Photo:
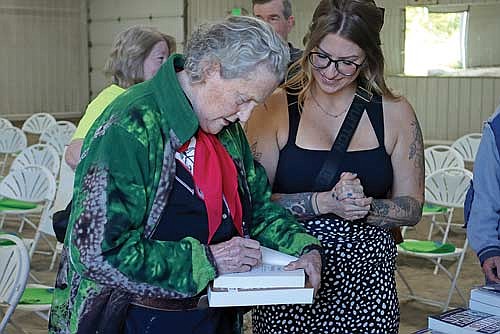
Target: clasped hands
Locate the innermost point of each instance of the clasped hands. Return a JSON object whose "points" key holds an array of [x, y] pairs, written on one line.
{"points": [[347, 198], [241, 254]]}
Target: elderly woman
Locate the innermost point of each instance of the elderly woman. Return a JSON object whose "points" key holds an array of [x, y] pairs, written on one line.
{"points": [[136, 55], [168, 196]]}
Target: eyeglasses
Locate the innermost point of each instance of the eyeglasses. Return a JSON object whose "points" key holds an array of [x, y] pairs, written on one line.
{"points": [[321, 61]]}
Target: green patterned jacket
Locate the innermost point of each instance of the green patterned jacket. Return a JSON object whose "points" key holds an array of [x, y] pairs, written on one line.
{"points": [[122, 185]]}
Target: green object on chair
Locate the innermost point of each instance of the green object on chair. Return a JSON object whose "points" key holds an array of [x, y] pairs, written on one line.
{"points": [[427, 246], [8, 242], [10, 204], [431, 208], [37, 296], [236, 11]]}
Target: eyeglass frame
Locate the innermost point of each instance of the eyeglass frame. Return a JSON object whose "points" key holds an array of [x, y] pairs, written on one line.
{"points": [[335, 62]]}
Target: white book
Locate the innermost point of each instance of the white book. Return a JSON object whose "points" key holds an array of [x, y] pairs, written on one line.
{"points": [[251, 297], [486, 294], [483, 307], [270, 274], [465, 321], [268, 284]]}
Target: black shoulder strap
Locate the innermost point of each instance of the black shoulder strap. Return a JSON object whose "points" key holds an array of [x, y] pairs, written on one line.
{"points": [[330, 167]]}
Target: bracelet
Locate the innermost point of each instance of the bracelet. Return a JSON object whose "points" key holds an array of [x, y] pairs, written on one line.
{"points": [[316, 203]]}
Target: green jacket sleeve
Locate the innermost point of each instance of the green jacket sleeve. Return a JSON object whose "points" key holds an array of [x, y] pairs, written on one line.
{"points": [[107, 242], [271, 224]]}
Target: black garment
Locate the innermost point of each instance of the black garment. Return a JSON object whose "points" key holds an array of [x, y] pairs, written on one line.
{"points": [[373, 167], [295, 53], [358, 288], [185, 215], [207, 321]]}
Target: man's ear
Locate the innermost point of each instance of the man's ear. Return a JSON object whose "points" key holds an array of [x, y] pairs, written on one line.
{"points": [[291, 23]]}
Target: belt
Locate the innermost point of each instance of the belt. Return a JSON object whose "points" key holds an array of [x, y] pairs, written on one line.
{"points": [[169, 304]]}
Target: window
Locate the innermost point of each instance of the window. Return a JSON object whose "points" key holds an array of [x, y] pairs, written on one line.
{"points": [[435, 42], [452, 40]]}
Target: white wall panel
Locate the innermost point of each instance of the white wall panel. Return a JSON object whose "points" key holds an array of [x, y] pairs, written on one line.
{"points": [[105, 9], [448, 108], [43, 58], [483, 47], [303, 12], [104, 32], [201, 11], [109, 17]]}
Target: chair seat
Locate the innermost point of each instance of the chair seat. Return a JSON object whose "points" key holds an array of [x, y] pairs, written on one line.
{"points": [[16, 211], [13, 206], [41, 292], [427, 246], [37, 295], [17, 204], [431, 209], [457, 252]]}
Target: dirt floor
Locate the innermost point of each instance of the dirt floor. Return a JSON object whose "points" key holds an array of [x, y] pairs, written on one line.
{"points": [[413, 314]]}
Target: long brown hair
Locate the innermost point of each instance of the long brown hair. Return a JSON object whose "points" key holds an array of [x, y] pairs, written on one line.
{"points": [[358, 21]]}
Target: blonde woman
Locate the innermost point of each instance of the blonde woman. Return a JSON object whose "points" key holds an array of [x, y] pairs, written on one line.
{"points": [[380, 179], [136, 56]]}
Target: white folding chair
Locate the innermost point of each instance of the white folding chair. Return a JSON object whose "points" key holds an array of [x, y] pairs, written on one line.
{"points": [[45, 229], [38, 123], [31, 185], [445, 187], [12, 141], [467, 146], [439, 157], [58, 135], [64, 191], [5, 123], [40, 155], [14, 270]]}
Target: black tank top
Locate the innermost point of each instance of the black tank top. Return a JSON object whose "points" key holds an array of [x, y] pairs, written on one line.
{"points": [[298, 168]]}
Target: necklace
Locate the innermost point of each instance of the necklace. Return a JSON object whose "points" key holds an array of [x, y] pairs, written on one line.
{"points": [[326, 112]]}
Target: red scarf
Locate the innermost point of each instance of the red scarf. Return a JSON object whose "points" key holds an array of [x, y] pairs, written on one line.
{"points": [[214, 175]]}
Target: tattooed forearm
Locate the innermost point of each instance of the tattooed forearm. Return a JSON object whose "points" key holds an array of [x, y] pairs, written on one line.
{"points": [[399, 211], [256, 154], [416, 149], [300, 205]]}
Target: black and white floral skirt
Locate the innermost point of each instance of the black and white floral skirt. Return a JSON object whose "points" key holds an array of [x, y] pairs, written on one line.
{"points": [[358, 289]]}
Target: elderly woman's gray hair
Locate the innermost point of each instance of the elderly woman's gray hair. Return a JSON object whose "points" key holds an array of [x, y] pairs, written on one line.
{"points": [[239, 44]]}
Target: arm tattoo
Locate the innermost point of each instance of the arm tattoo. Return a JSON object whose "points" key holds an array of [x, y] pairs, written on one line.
{"points": [[256, 155], [399, 211], [416, 150], [300, 205]]}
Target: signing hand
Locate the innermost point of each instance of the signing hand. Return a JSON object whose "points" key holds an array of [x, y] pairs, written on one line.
{"points": [[311, 263], [491, 268], [236, 255]]}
